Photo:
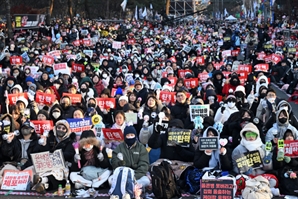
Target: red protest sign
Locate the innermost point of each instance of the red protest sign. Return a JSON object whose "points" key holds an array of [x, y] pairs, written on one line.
{"points": [[173, 81], [164, 74], [14, 97], [247, 68], [235, 53], [16, 60], [113, 134], [243, 74], [191, 83], [106, 103], [75, 98], [146, 40], [268, 58], [217, 65], [200, 60], [76, 43], [279, 43], [48, 60], [86, 42], [181, 73], [261, 56], [167, 97], [45, 98], [275, 58], [291, 148], [131, 41], [261, 67], [42, 126], [78, 68], [203, 76]]}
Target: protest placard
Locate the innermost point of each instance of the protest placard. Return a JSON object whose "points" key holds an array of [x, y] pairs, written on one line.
{"points": [[116, 44], [106, 103], [75, 98], [16, 180], [14, 97], [167, 97], [113, 134], [89, 53], [251, 159], [181, 73], [42, 126], [55, 53], [191, 83], [77, 68], [45, 98], [25, 57], [86, 42], [131, 118], [217, 189], [79, 125], [179, 136], [61, 68], [291, 148], [16, 60], [226, 53], [200, 60], [48, 60], [262, 67], [245, 67], [186, 48], [208, 143], [198, 110], [203, 76], [46, 161]]}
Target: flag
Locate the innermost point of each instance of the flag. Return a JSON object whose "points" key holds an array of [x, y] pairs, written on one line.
{"points": [[136, 13], [144, 14], [151, 7], [123, 5], [226, 13]]}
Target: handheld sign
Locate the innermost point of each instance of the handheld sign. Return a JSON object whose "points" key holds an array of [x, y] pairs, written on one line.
{"points": [[45, 98], [113, 134], [46, 161], [14, 97], [208, 143], [79, 125], [217, 188], [179, 136], [42, 126], [291, 148], [16, 180], [198, 110], [75, 98], [251, 159], [106, 103], [131, 117]]}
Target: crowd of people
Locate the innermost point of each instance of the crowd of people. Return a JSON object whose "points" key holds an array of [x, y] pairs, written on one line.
{"points": [[228, 66]]}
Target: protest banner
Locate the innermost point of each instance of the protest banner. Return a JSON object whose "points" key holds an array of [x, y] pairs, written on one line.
{"points": [[25, 57], [42, 126], [113, 134], [46, 161], [226, 53], [235, 53], [217, 66], [45, 98], [208, 143], [116, 44], [16, 60], [55, 53], [203, 76], [173, 81], [131, 118], [16, 180], [191, 83], [70, 56], [245, 67], [261, 56], [89, 53], [268, 59], [181, 73], [291, 148], [86, 42], [106, 103], [61, 68], [186, 49], [167, 97], [262, 67], [179, 136], [77, 68], [251, 159], [200, 60], [275, 58], [198, 110], [48, 60], [24, 21], [79, 125], [76, 43], [75, 98], [217, 189], [14, 97]]}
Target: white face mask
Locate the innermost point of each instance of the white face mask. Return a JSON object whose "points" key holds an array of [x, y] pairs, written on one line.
{"points": [[231, 104], [56, 115], [104, 75], [271, 100], [286, 108], [88, 149], [137, 75]]}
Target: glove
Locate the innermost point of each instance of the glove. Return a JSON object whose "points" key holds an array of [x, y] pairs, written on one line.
{"points": [[120, 156], [287, 159], [223, 109], [100, 156], [104, 111], [42, 141], [77, 157]]}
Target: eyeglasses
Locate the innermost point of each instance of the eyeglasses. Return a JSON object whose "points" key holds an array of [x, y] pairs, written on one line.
{"points": [[250, 135]]}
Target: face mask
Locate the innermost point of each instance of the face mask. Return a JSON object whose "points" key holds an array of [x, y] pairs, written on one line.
{"points": [[16, 74], [231, 104], [211, 98], [246, 119], [64, 106], [282, 120], [262, 95], [91, 105], [26, 131], [88, 149], [124, 70], [137, 75], [57, 86], [149, 79], [10, 85], [130, 141], [83, 90], [60, 133], [271, 100], [104, 75], [56, 114]]}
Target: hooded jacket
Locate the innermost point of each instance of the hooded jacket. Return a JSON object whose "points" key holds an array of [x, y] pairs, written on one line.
{"points": [[87, 79], [215, 160], [246, 146], [278, 129], [223, 117], [56, 106]]}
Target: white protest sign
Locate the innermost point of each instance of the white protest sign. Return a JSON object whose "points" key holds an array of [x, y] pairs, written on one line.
{"points": [[131, 117], [198, 110], [89, 53], [46, 161], [61, 68], [16, 180], [186, 49], [226, 53], [116, 44], [55, 53]]}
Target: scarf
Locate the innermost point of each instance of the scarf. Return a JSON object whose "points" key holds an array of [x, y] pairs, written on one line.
{"points": [[90, 160], [122, 127], [253, 145]]}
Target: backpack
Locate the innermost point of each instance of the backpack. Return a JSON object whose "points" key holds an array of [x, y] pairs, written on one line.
{"points": [[240, 183], [122, 182], [257, 188], [193, 178], [163, 181]]}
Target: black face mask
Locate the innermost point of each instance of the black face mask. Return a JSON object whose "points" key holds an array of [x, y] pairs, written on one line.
{"points": [[235, 82], [149, 79], [91, 105], [83, 90], [246, 119], [282, 120], [262, 95], [60, 133], [239, 94], [64, 106]]}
